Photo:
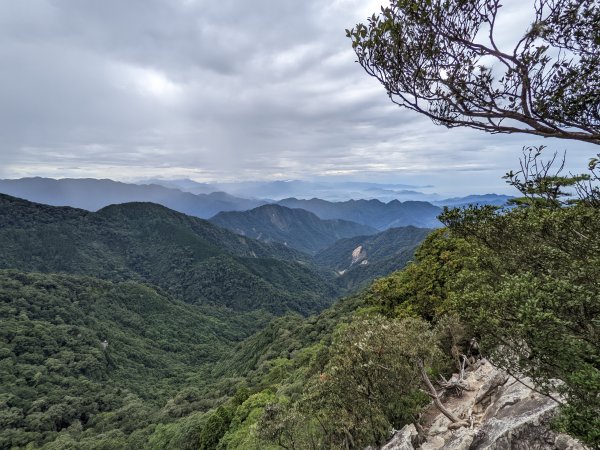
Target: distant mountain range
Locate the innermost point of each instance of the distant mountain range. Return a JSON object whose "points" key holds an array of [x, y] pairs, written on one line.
{"points": [[360, 259], [330, 191], [327, 190], [296, 228], [485, 199], [373, 213], [92, 195]]}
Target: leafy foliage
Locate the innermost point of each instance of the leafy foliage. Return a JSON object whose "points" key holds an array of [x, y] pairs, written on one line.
{"points": [[367, 384], [174, 375], [422, 288], [57, 378], [442, 59], [525, 282], [531, 291]]}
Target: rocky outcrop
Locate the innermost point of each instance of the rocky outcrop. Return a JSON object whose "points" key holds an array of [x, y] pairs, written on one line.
{"points": [[358, 254], [502, 413], [403, 439]]}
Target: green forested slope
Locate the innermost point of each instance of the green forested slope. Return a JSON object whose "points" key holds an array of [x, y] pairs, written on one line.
{"points": [[524, 279], [166, 365], [204, 376], [379, 255], [172, 377], [283, 339], [268, 371], [175, 346], [55, 375], [209, 290], [188, 257]]}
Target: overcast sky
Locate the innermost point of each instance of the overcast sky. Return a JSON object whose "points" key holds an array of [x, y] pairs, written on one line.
{"points": [[221, 91]]}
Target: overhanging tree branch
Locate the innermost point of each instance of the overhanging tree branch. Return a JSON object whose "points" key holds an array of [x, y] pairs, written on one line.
{"points": [[431, 58]]}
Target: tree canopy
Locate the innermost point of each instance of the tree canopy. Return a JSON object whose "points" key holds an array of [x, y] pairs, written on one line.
{"points": [[443, 59]]}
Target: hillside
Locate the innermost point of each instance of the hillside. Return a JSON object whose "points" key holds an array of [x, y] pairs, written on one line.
{"points": [[363, 258], [373, 213], [166, 363], [296, 228], [181, 376], [188, 257], [55, 373], [92, 195]]}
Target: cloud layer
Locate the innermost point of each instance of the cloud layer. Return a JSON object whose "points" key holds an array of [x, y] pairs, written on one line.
{"points": [[217, 91]]}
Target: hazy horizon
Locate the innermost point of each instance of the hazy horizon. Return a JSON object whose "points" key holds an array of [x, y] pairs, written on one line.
{"points": [[227, 92], [323, 188]]}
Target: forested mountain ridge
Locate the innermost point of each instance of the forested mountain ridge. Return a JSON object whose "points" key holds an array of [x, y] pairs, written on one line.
{"points": [[297, 380], [373, 213], [138, 327], [63, 387], [188, 257], [360, 259], [296, 228]]}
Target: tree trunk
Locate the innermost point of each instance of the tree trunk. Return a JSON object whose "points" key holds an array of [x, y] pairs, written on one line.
{"points": [[434, 395]]}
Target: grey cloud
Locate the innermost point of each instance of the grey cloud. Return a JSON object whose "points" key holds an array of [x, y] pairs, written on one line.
{"points": [[224, 90]]}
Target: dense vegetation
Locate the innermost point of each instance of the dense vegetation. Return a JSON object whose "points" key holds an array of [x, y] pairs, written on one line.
{"points": [[138, 340], [188, 257], [523, 281], [175, 348], [531, 285], [56, 377], [165, 363], [176, 375], [379, 255]]}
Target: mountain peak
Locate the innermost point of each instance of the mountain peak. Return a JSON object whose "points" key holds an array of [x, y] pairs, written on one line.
{"points": [[297, 228]]}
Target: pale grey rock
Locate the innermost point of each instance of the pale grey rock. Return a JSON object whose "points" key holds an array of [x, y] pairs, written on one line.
{"points": [[461, 439], [358, 255], [403, 439], [488, 387], [566, 442], [518, 418], [503, 413], [433, 443]]}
